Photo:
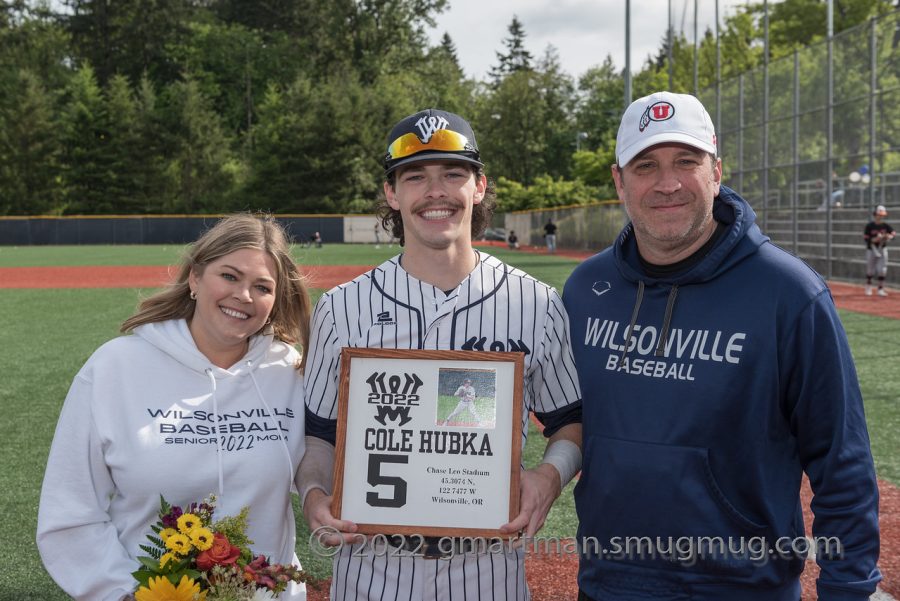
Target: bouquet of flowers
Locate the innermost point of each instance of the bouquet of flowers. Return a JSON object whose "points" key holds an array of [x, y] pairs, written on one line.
{"points": [[192, 558]]}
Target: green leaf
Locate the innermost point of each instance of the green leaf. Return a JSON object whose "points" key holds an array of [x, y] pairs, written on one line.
{"points": [[164, 507], [143, 576], [149, 563]]}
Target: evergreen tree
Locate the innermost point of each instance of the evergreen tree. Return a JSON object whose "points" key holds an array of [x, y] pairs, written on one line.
{"points": [[449, 48], [130, 37], [126, 152], [88, 161], [314, 147], [516, 58], [31, 39], [510, 127], [558, 101], [201, 166], [601, 104], [153, 185], [29, 146]]}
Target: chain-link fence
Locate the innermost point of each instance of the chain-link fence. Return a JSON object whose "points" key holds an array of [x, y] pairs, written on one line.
{"points": [[812, 141]]}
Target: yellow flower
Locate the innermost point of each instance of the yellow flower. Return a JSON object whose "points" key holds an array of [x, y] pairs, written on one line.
{"points": [[202, 538], [160, 589], [165, 533], [166, 558], [188, 522], [179, 544]]}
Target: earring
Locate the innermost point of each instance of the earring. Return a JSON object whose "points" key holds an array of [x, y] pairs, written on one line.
{"points": [[193, 295], [268, 320]]}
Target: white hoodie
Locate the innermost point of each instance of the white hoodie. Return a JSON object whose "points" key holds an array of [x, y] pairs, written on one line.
{"points": [[140, 421]]}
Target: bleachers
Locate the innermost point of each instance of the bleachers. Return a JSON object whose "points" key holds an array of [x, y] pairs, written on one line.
{"points": [[848, 257]]}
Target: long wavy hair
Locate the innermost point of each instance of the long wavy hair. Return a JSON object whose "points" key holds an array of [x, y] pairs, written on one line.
{"points": [[289, 318], [481, 213]]}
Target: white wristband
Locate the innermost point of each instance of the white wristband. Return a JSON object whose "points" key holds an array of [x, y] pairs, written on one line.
{"points": [[316, 469], [565, 456]]}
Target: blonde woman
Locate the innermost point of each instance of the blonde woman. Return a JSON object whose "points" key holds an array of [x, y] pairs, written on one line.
{"points": [[204, 396]]}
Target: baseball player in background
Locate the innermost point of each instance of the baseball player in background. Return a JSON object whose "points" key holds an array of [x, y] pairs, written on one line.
{"points": [[441, 293], [877, 234], [466, 395]]}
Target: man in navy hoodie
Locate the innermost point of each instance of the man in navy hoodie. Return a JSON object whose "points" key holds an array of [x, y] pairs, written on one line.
{"points": [[715, 373]]}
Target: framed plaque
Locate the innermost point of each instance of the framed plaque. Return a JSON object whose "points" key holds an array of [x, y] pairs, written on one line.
{"points": [[428, 442]]}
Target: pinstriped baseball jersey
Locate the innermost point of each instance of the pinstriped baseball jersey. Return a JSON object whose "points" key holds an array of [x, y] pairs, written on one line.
{"points": [[496, 308]]}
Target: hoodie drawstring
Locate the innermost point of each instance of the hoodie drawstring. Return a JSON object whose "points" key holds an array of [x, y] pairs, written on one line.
{"points": [[212, 381], [667, 322], [634, 316], [271, 414]]}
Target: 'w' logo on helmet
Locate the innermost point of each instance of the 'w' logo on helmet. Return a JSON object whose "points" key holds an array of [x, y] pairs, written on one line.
{"points": [[428, 125], [659, 111]]}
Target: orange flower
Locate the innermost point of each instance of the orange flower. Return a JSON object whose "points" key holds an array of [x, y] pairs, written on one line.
{"points": [[221, 553]]}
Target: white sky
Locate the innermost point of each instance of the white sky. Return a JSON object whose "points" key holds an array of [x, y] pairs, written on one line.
{"points": [[583, 31]]}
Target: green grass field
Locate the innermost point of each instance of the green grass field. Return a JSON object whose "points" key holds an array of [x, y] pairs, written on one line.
{"points": [[48, 334]]}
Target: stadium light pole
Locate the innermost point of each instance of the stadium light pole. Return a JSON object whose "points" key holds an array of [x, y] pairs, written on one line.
{"points": [[669, 37], [718, 75], [829, 141], [696, 54], [765, 132], [627, 54]]}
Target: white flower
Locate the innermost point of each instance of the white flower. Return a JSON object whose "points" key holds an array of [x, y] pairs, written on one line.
{"points": [[263, 594]]}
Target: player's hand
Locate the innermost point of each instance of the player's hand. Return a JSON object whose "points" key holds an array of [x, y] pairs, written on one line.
{"points": [[317, 511], [539, 487]]}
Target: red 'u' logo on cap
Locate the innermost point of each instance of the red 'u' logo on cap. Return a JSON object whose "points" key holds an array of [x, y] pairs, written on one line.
{"points": [[659, 111]]}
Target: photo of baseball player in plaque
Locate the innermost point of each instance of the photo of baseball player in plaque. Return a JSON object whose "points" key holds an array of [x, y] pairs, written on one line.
{"points": [[467, 398]]}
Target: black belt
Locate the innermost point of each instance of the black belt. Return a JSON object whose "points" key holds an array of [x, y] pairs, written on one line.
{"points": [[439, 547]]}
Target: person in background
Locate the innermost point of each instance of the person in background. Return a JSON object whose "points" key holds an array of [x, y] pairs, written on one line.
{"points": [[877, 234], [716, 373], [550, 236], [175, 409], [512, 240]]}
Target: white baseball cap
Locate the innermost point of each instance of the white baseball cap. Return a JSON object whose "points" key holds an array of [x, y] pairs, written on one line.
{"points": [[880, 210], [664, 117]]}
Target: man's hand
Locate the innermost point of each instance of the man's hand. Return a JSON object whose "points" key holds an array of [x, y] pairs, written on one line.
{"points": [[317, 511], [539, 487]]}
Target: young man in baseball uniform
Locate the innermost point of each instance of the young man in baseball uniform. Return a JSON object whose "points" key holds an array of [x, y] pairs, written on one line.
{"points": [[441, 293], [466, 396]]}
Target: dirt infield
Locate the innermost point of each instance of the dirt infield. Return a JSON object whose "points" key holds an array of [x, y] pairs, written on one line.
{"points": [[846, 296]]}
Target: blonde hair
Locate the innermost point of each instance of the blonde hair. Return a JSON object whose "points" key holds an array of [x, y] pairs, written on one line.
{"points": [[289, 318]]}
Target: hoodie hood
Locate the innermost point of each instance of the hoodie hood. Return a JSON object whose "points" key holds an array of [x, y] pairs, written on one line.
{"points": [[743, 238], [173, 337]]}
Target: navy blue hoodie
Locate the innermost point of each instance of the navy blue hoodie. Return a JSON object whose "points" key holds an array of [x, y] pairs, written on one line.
{"points": [[737, 378]]}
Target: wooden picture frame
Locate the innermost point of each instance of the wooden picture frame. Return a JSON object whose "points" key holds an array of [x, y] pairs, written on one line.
{"points": [[408, 464]]}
